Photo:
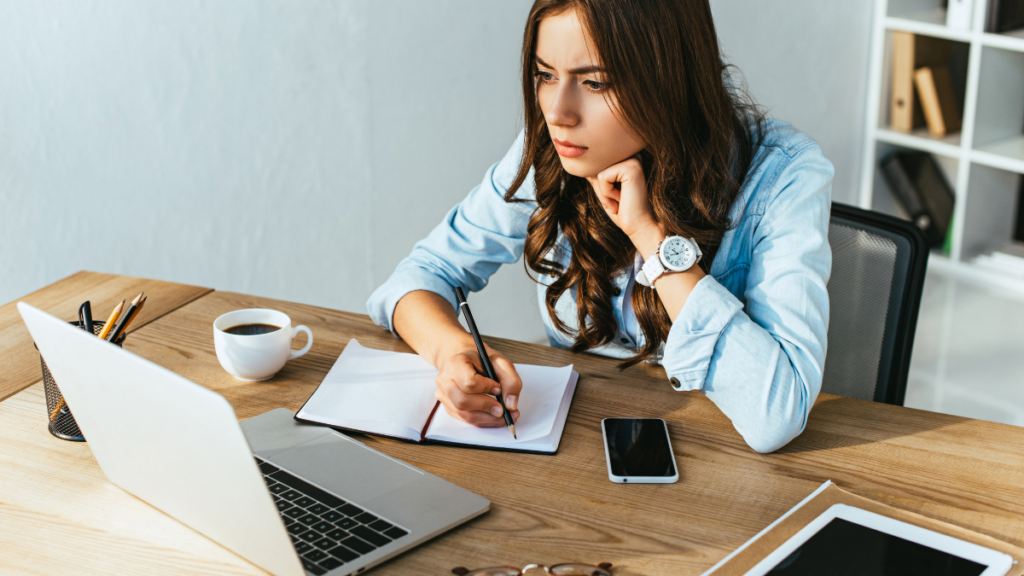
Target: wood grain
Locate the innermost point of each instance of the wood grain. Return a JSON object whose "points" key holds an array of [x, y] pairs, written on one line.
{"points": [[547, 509], [19, 362]]}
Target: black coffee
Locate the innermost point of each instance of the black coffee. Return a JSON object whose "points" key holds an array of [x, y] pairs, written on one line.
{"points": [[252, 329]]}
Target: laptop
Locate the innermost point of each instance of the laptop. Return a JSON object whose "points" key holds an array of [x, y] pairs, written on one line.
{"points": [[291, 498]]}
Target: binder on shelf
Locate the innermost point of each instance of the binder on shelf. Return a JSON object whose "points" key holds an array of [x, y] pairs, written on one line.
{"points": [[918, 185], [902, 106], [1005, 15], [958, 14], [938, 102]]}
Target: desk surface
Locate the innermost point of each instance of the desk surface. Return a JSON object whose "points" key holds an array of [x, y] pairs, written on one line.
{"points": [[59, 512], [19, 366]]}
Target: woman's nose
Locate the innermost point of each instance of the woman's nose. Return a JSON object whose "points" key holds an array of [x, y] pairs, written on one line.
{"points": [[562, 110]]}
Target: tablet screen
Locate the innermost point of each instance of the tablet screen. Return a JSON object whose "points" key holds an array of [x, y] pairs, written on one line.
{"points": [[843, 548]]}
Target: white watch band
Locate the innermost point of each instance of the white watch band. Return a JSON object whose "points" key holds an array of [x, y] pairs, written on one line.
{"points": [[651, 270]]}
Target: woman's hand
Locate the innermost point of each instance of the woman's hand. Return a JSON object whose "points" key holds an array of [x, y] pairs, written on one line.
{"points": [[622, 190], [469, 396]]}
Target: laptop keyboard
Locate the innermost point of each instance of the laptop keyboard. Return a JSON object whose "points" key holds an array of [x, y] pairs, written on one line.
{"points": [[327, 531]]}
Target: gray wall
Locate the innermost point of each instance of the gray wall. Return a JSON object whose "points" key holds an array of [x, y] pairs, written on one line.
{"points": [[298, 150]]}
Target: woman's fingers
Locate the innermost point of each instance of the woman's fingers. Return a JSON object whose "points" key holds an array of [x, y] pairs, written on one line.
{"points": [[466, 395], [511, 384]]}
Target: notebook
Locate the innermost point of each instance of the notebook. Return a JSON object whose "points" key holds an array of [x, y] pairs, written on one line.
{"points": [[392, 394]]}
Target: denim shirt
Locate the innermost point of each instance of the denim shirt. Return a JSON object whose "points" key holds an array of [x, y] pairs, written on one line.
{"points": [[751, 336]]}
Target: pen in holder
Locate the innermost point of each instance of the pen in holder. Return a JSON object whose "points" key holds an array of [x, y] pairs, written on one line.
{"points": [[62, 422]]}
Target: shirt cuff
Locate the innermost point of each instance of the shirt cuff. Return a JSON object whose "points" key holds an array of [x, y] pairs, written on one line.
{"points": [[694, 334], [384, 300]]}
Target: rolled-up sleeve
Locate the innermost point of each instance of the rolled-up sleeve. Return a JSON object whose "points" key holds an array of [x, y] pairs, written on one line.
{"points": [[761, 360], [475, 238]]}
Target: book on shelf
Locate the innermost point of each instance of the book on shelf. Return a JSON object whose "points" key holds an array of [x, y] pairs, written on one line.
{"points": [[935, 89], [958, 14], [1005, 15], [911, 53], [920, 188]]}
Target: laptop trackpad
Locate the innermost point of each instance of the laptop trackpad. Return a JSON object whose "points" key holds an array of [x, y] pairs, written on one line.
{"points": [[346, 467]]}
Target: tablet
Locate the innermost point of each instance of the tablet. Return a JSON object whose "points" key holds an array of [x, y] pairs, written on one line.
{"points": [[845, 540]]}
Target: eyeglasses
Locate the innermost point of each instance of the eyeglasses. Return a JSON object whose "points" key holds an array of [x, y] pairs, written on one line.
{"points": [[602, 569]]}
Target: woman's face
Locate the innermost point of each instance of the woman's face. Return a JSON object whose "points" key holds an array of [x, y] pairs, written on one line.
{"points": [[578, 104]]}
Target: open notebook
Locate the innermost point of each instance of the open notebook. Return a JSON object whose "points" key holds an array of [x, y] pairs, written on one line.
{"points": [[392, 394]]}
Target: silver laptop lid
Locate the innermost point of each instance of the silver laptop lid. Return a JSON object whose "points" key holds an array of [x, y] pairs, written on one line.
{"points": [[167, 440]]}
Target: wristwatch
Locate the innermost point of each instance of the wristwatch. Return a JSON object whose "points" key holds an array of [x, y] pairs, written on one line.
{"points": [[674, 254]]}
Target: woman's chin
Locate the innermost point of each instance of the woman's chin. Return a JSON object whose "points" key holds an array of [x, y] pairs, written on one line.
{"points": [[578, 168]]}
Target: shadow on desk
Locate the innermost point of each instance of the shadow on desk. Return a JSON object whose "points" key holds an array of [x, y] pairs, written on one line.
{"points": [[837, 422]]}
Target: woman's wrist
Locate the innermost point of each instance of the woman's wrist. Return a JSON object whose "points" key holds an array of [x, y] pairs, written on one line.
{"points": [[647, 238], [457, 344]]}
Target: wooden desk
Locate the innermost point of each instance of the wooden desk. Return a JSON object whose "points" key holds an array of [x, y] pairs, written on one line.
{"points": [[59, 513], [19, 366]]}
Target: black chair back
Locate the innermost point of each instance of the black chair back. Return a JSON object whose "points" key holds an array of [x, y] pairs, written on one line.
{"points": [[878, 265]]}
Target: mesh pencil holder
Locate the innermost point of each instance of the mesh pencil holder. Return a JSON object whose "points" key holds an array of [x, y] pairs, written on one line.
{"points": [[62, 422]]}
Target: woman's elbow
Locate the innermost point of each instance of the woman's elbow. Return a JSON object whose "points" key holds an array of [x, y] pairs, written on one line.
{"points": [[771, 438]]}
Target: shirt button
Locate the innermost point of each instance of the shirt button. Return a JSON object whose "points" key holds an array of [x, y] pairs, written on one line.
{"points": [[617, 291], [624, 340], [674, 381]]}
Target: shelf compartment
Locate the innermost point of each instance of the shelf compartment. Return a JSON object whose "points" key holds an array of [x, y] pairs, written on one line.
{"points": [[933, 51], [991, 210], [999, 119]]}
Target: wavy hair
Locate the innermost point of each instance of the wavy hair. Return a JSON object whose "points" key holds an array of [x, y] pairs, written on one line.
{"points": [[700, 134]]}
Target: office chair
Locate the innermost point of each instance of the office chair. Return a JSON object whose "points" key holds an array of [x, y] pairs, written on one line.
{"points": [[878, 265]]}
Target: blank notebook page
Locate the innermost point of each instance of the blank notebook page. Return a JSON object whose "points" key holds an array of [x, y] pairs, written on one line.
{"points": [[375, 391]]}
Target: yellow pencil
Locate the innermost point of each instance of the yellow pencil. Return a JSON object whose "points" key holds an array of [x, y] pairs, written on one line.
{"points": [[57, 409], [110, 321]]}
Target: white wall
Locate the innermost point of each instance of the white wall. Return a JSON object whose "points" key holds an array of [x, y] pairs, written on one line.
{"points": [[297, 150]]}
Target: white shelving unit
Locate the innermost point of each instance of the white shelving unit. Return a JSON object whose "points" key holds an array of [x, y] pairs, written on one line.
{"points": [[984, 161]]}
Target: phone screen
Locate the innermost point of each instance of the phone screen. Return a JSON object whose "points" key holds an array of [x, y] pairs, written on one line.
{"points": [[638, 447]]}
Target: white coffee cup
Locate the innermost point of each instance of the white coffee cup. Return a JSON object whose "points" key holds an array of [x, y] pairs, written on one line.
{"points": [[256, 357]]}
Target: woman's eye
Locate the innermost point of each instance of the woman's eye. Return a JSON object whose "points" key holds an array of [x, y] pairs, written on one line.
{"points": [[544, 76], [595, 86]]}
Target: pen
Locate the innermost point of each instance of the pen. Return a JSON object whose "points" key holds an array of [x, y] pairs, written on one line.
{"points": [[464, 306], [125, 318], [109, 325], [85, 316]]}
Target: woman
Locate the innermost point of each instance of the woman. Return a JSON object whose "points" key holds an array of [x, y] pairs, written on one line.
{"points": [[637, 159]]}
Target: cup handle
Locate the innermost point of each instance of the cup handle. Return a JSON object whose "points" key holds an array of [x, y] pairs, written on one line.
{"points": [[309, 341]]}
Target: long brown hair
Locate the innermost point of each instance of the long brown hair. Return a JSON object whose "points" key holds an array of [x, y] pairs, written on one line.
{"points": [[663, 63]]}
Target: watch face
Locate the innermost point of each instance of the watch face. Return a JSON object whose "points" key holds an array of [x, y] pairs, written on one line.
{"points": [[678, 253]]}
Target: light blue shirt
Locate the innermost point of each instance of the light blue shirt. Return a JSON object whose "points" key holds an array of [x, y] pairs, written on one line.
{"points": [[751, 336]]}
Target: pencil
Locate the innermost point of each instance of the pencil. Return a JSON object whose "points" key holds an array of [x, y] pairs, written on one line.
{"points": [[488, 369], [125, 318], [109, 325], [57, 409], [131, 319]]}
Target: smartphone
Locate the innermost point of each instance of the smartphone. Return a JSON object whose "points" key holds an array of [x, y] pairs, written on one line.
{"points": [[638, 451]]}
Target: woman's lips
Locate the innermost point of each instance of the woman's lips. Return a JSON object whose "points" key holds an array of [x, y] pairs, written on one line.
{"points": [[568, 149]]}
